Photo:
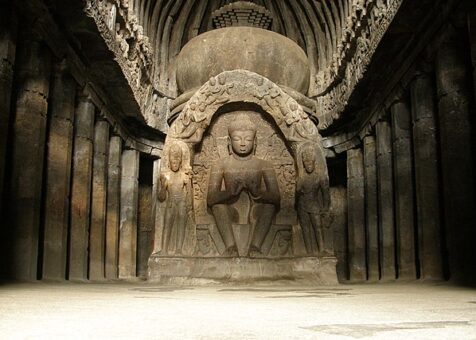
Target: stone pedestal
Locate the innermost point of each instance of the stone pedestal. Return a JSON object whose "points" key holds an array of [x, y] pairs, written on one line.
{"points": [[197, 270]]}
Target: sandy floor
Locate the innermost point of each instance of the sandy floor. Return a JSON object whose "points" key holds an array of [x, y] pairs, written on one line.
{"points": [[142, 311]]}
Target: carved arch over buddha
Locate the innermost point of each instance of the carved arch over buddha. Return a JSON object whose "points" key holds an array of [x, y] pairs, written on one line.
{"points": [[248, 87]]}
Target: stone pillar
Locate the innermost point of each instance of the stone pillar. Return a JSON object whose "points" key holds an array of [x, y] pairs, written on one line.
{"points": [[145, 217], [81, 188], [113, 207], [472, 41], [454, 98], [371, 208], [356, 214], [403, 178], [426, 178], [8, 30], [157, 216], [58, 174], [339, 228], [385, 198], [29, 134], [97, 236], [129, 205]]}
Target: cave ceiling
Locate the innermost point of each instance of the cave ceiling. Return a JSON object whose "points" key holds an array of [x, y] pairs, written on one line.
{"points": [[338, 37]]}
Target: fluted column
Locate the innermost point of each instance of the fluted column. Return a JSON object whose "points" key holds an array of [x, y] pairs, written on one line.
{"points": [[403, 179], [34, 66], [454, 102], [426, 177], [385, 198], [371, 208], [58, 174], [81, 188], [356, 214], [97, 236], [113, 207], [129, 205]]}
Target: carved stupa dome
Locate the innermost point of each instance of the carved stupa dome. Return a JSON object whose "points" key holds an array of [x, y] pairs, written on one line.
{"points": [[242, 40], [267, 53]]}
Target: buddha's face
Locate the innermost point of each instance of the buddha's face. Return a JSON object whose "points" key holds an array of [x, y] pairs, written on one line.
{"points": [[309, 161], [242, 142], [175, 160]]}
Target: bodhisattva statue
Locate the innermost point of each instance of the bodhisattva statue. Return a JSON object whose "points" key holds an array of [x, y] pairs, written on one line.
{"points": [[241, 172], [313, 201], [175, 189]]}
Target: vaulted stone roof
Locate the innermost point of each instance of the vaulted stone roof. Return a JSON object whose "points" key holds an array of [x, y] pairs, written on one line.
{"points": [[338, 36]]}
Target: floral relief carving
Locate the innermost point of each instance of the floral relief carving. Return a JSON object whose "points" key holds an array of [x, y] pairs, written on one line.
{"points": [[362, 35]]}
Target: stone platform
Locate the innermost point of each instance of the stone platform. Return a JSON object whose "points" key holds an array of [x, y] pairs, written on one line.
{"points": [[197, 270]]}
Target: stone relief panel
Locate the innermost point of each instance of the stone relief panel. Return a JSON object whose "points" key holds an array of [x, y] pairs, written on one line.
{"points": [[270, 146], [176, 226], [373, 17], [244, 86], [120, 29], [269, 149], [249, 172], [313, 199]]}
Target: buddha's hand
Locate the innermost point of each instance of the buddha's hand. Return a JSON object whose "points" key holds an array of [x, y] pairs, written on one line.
{"points": [[255, 192], [237, 188]]}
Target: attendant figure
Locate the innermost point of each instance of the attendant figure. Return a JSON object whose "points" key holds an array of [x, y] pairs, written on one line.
{"points": [[313, 201], [175, 190]]}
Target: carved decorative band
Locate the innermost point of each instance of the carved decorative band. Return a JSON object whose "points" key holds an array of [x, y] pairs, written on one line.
{"points": [[134, 58], [378, 17]]}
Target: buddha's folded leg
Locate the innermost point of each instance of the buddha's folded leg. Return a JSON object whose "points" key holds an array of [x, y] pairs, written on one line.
{"points": [[223, 218], [264, 217]]}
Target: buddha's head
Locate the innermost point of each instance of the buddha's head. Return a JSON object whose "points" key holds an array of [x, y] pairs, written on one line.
{"points": [[242, 136], [175, 157]]}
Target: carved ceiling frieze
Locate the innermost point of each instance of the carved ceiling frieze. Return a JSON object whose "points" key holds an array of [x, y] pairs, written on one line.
{"points": [[363, 36], [120, 30], [338, 37]]}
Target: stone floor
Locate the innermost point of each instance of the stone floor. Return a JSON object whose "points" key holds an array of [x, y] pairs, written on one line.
{"points": [[142, 311]]}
